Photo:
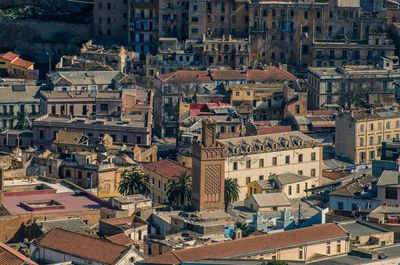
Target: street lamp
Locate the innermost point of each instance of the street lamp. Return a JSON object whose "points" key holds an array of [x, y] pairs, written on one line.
{"points": [[50, 55]]}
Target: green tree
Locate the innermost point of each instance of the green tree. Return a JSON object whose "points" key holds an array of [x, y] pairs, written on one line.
{"points": [[23, 121], [231, 192], [134, 182], [180, 189]]}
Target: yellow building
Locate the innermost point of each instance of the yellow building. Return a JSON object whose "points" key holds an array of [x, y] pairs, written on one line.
{"points": [[359, 134], [259, 157], [160, 174], [292, 185], [14, 65]]}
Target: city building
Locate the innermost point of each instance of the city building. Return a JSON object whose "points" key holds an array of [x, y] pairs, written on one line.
{"points": [[358, 197], [144, 24], [160, 174], [12, 257], [197, 86], [267, 202], [388, 188], [88, 80], [59, 245], [304, 244], [348, 85], [133, 129], [110, 21], [311, 33], [360, 133], [12, 65], [17, 99], [260, 157]]}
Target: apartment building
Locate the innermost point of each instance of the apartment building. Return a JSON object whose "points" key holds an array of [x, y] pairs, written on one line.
{"points": [[306, 33], [88, 80], [110, 21], [373, 84], [16, 99], [143, 26], [174, 19], [161, 173], [132, 129], [259, 157], [360, 133]]}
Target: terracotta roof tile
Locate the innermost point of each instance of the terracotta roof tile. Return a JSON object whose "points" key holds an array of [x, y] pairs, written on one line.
{"points": [[22, 63], [255, 244], [270, 73], [228, 75], [120, 239], [166, 168], [185, 76], [273, 129], [9, 256], [89, 247], [9, 56]]}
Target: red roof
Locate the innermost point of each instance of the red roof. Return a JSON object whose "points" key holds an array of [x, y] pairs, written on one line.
{"points": [[228, 75], [83, 246], [166, 168], [270, 73], [120, 239], [9, 256], [242, 247], [185, 76], [22, 63], [323, 112], [273, 129], [9, 56]]}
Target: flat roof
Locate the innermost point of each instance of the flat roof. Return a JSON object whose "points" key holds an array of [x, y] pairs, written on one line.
{"points": [[71, 202], [360, 229]]}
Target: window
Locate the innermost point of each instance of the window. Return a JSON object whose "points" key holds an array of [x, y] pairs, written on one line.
{"points": [[379, 139], [248, 164], [53, 109], [261, 163], [124, 139], [248, 179], [362, 128], [274, 161], [354, 206], [290, 190], [372, 155], [41, 134], [261, 177], [300, 158], [138, 139], [103, 107], [371, 140], [361, 141], [235, 165], [328, 248], [313, 156], [287, 159], [300, 172], [298, 188], [313, 173], [340, 205], [391, 193], [380, 126], [338, 246], [371, 127], [300, 253], [388, 125]]}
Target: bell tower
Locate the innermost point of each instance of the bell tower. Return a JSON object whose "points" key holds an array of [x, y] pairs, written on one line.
{"points": [[208, 170]]}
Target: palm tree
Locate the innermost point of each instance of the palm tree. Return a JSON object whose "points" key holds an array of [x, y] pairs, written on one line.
{"points": [[180, 189], [23, 121], [231, 192], [134, 182]]}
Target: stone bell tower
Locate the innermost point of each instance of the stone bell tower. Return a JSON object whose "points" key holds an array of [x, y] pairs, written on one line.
{"points": [[208, 170]]}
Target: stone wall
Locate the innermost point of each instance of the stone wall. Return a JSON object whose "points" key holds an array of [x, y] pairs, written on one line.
{"points": [[33, 38]]}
